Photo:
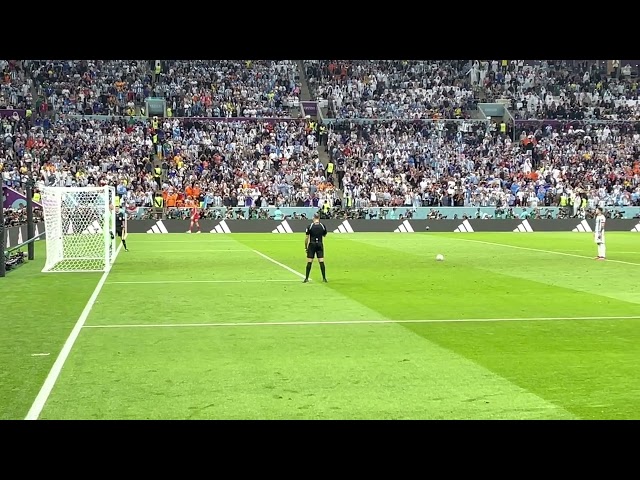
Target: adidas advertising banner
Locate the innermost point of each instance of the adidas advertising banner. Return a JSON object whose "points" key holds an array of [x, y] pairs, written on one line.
{"points": [[347, 227], [16, 235]]}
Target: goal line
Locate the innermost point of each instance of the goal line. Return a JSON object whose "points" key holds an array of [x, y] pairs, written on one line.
{"points": [[357, 322]]}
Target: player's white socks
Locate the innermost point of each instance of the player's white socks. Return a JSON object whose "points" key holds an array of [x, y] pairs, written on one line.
{"points": [[602, 250]]}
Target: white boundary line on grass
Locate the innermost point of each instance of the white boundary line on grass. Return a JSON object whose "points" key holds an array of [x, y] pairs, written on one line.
{"points": [[280, 264], [205, 250], [161, 282], [358, 322], [637, 252], [542, 251], [54, 373]]}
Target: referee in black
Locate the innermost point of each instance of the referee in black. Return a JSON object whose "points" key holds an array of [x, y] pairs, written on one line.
{"points": [[314, 247], [119, 228]]}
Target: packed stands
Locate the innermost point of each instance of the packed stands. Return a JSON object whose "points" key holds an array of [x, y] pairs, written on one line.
{"points": [[15, 85], [90, 87], [404, 158], [413, 165], [193, 88], [559, 89], [230, 88], [386, 89], [244, 163]]}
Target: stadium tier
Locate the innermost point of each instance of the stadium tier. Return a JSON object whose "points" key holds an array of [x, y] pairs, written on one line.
{"points": [[448, 157]]}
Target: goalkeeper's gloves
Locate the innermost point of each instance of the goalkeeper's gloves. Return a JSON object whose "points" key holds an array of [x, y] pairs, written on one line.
{"points": [[112, 236]]}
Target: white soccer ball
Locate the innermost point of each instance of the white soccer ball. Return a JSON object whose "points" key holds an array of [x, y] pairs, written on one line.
{"points": [[440, 257]]}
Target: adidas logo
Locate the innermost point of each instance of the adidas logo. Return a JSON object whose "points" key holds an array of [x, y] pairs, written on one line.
{"points": [[464, 227], [636, 228], [405, 227], [222, 227], [158, 228], [523, 227], [282, 228], [344, 228], [583, 226], [95, 227], [20, 240]]}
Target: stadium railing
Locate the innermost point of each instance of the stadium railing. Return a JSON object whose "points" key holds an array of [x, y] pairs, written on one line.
{"points": [[68, 116], [380, 213]]}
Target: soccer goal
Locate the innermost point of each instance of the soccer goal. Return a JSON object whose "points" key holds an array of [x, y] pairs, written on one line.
{"points": [[79, 227]]}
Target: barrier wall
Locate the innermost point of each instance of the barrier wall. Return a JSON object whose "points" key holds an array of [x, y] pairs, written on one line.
{"points": [[17, 235], [396, 226]]}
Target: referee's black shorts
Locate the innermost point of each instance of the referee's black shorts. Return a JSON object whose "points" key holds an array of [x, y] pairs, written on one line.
{"points": [[315, 250], [119, 232]]}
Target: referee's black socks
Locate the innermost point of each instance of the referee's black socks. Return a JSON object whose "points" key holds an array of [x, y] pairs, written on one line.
{"points": [[324, 276], [308, 270], [124, 243]]}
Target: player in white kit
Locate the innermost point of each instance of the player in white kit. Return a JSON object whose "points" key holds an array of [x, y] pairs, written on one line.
{"points": [[599, 234]]}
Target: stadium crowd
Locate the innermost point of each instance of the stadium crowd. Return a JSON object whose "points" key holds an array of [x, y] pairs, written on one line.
{"points": [[193, 88], [230, 88], [465, 164], [255, 163], [15, 85], [559, 89], [218, 164], [386, 89], [90, 87]]}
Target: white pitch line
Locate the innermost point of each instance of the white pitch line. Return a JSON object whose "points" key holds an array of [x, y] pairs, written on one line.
{"points": [[616, 251], [40, 354], [211, 240], [47, 387], [358, 322], [280, 264], [204, 250], [142, 282], [542, 251]]}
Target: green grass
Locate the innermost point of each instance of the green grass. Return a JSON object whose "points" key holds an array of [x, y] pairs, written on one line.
{"points": [[509, 326]]}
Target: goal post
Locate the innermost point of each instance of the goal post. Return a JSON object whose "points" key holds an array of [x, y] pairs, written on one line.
{"points": [[80, 228]]}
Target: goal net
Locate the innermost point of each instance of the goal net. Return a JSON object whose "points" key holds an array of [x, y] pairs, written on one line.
{"points": [[80, 228]]}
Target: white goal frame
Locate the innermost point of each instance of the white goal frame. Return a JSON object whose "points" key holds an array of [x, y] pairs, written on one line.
{"points": [[88, 246]]}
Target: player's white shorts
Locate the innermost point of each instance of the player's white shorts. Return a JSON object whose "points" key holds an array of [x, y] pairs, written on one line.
{"points": [[597, 239]]}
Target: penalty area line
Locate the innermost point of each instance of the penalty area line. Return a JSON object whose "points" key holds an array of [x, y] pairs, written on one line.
{"points": [[358, 322], [163, 282], [280, 264], [54, 373], [541, 250]]}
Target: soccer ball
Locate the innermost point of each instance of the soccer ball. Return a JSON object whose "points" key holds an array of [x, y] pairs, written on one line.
{"points": [[440, 257]]}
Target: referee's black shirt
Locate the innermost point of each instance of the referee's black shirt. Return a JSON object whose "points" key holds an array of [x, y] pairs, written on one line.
{"points": [[316, 232]]}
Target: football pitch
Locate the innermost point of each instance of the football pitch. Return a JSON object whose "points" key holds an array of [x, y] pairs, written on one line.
{"points": [[509, 326]]}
